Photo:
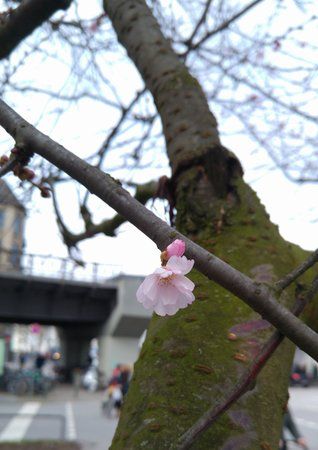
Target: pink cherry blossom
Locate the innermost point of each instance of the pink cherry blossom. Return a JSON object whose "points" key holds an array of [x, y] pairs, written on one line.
{"points": [[176, 248], [167, 290]]}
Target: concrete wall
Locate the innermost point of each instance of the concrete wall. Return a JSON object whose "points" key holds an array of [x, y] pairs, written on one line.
{"points": [[129, 318], [118, 342], [116, 350]]}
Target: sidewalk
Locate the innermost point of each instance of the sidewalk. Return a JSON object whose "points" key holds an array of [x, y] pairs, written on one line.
{"points": [[83, 415], [94, 430]]}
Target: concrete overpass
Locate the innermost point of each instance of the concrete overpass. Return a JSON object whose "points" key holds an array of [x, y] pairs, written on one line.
{"points": [[82, 310]]}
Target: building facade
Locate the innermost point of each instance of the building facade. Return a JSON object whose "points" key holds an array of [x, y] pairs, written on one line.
{"points": [[12, 217]]}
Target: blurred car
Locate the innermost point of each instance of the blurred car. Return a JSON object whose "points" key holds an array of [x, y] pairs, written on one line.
{"points": [[299, 377]]}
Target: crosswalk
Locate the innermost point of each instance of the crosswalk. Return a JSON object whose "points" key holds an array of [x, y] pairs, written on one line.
{"points": [[70, 422], [30, 420], [16, 429]]}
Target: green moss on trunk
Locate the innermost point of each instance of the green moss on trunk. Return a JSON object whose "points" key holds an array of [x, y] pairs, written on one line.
{"points": [[188, 362]]}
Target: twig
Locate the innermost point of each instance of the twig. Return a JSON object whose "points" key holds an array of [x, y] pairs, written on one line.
{"points": [[202, 19], [67, 236], [292, 276], [247, 378], [256, 295], [105, 145], [221, 27], [9, 166]]}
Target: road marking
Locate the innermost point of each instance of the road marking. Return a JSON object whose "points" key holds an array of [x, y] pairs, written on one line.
{"points": [[70, 422], [307, 423], [18, 426]]}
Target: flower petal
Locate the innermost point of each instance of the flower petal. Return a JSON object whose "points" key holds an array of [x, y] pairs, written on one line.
{"points": [[182, 283], [168, 294], [148, 283], [160, 309], [180, 264], [148, 291], [171, 309], [185, 299], [167, 289], [163, 272]]}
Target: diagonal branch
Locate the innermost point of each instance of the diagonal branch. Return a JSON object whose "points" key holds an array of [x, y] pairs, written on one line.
{"points": [[17, 24], [292, 276], [144, 192], [256, 295], [247, 378]]}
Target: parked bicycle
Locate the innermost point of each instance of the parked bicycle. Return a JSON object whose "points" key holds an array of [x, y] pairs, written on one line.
{"points": [[24, 382]]}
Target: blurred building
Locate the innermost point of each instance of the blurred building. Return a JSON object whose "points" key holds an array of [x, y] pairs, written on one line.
{"points": [[46, 312], [12, 217]]}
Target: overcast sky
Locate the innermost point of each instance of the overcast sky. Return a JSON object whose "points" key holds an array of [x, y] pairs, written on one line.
{"points": [[292, 207]]}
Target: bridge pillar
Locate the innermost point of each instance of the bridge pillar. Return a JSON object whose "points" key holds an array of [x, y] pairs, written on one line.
{"points": [[118, 341], [75, 343]]}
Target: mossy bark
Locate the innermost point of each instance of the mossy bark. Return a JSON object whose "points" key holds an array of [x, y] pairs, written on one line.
{"points": [[188, 362]]}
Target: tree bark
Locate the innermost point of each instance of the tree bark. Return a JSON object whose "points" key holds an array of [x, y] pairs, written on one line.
{"points": [[188, 362], [17, 24]]}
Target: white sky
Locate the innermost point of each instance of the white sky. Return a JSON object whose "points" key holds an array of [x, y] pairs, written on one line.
{"points": [[291, 206]]}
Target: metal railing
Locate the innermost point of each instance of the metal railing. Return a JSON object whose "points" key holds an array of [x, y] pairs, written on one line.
{"points": [[55, 267]]}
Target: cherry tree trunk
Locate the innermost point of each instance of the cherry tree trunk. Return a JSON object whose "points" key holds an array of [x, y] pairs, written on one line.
{"points": [[190, 361]]}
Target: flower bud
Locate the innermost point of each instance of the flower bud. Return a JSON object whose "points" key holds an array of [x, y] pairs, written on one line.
{"points": [[45, 192], [26, 174], [176, 248], [3, 160]]}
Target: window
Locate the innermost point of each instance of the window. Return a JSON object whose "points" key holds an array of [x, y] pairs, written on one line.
{"points": [[17, 225]]}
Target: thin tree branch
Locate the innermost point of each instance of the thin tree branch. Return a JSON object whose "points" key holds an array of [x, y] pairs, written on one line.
{"points": [[247, 378], [9, 166], [296, 273], [221, 27], [105, 145], [144, 192], [276, 100], [68, 237], [256, 295], [125, 110], [202, 19], [17, 24]]}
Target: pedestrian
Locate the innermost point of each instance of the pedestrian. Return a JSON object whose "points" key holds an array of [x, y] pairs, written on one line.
{"points": [[124, 378], [290, 427], [113, 400], [117, 398]]}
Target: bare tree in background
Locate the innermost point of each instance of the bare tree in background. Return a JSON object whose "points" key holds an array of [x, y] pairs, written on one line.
{"points": [[255, 60], [189, 362]]}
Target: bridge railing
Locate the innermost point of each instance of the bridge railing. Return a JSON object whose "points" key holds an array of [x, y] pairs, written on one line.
{"points": [[55, 267]]}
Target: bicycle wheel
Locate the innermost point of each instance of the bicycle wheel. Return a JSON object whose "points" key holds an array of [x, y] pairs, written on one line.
{"points": [[20, 387]]}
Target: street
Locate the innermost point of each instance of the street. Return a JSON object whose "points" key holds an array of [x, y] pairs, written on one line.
{"points": [[303, 404], [62, 415]]}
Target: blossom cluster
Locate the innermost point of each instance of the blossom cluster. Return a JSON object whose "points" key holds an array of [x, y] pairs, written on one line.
{"points": [[167, 289]]}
